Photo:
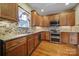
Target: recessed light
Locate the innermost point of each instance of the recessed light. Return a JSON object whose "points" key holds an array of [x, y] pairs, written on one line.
{"points": [[42, 10], [66, 4]]}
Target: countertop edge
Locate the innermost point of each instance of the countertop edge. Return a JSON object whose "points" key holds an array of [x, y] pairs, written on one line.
{"points": [[21, 35]]}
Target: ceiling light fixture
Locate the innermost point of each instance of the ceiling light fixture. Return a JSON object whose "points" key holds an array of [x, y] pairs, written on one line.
{"points": [[66, 3], [42, 10]]}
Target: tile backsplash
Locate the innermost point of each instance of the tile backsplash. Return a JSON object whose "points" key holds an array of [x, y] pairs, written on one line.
{"points": [[7, 27], [11, 28]]}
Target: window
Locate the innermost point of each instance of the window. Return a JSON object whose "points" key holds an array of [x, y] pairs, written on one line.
{"points": [[23, 18]]}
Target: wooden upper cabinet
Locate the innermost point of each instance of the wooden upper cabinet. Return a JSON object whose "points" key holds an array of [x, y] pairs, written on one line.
{"points": [[9, 11], [51, 17], [67, 18], [32, 19], [38, 20], [63, 19], [71, 18], [45, 21], [35, 18], [57, 17]]}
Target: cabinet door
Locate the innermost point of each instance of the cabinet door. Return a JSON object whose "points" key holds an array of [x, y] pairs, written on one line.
{"points": [[32, 19], [37, 21], [65, 37], [63, 20], [35, 18], [51, 18], [56, 17], [73, 38], [36, 42], [45, 36], [48, 36], [78, 50], [30, 44], [45, 21], [40, 20], [71, 18], [67, 18], [9, 11]]}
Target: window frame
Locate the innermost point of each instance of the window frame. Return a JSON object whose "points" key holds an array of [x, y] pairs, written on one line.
{"points": [[28, 17]]}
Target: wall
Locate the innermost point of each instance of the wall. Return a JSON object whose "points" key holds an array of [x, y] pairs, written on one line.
{"points": [[77, 15], [25, 6]]}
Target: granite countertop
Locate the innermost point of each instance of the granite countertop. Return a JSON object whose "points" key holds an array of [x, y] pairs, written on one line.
{"points": [[62, 29], [9, 37], [14, 36], [69, 29]]}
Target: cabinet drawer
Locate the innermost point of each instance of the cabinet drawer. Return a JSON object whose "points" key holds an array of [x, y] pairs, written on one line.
{"points": [[10, 44], [15, 42], [19, 50], [21, 40]]}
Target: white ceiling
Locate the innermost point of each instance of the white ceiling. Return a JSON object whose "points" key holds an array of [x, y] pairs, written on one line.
{"points": [[51, 8]]}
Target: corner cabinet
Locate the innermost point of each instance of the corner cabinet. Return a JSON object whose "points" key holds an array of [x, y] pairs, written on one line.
{"points": [[45, 36], [38, 20], [9, 11], [33, 42]]}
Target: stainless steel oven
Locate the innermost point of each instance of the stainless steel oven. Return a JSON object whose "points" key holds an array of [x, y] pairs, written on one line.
{"points": [[54, 31]]}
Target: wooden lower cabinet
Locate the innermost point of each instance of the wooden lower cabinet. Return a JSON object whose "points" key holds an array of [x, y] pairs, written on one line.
{"points": [[65, 37], [45, 36], [78, 46], [69, 37], [19, 49], [33, 41], [78, 50], [36, 41], [73, 38], [30, 44], [23, 46]]}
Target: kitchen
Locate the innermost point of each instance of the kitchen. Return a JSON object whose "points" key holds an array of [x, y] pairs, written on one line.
{"points": [[29, 29]]}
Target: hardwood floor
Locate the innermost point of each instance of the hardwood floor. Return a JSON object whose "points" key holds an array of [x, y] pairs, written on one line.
{"points": [[51, 49]]}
